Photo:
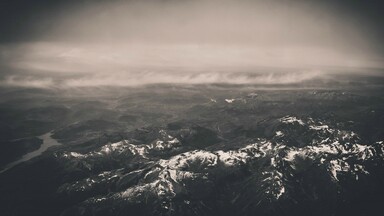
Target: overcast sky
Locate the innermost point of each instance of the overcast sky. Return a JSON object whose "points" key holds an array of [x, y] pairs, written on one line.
{"points": [[96, 42]]}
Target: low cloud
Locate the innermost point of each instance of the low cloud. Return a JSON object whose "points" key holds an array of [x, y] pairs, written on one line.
{"points": [[27, 82], [156, 77]]}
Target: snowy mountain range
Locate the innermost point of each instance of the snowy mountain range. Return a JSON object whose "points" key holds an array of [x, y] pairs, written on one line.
{"points": [[166, 178]]}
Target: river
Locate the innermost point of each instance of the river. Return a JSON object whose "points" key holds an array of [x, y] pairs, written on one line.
{"points": [[48, 142]]}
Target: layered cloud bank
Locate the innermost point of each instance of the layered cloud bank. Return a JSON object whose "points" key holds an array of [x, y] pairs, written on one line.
{"points": [[139, 42]]}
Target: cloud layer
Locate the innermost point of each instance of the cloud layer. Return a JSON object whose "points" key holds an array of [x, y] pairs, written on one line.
{"points": [[141, 42]]}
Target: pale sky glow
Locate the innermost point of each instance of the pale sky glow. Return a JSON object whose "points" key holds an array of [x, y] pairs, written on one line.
{"points": [[110, 42], [83, 58]]}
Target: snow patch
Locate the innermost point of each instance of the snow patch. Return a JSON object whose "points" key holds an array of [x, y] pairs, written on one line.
{"points": [[291, 120], [230, 100]]}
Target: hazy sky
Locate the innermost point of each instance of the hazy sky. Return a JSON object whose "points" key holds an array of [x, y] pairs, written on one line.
{"points": [[96, 42]]}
